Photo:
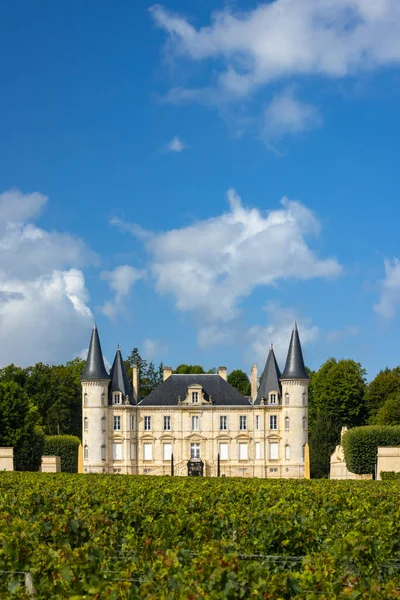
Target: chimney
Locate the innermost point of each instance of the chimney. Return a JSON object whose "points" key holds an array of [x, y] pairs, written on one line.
{"points": [[167, 372], [254, 382], [135, 383], [222, 372]]}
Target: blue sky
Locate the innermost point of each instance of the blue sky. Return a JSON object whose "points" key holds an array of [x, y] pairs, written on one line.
{"points": [[195, 176]]}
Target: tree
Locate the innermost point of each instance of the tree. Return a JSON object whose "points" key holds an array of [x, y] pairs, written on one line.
{"points": [[240, 381], [339, 390], [18, 426], [149, 376], [380, 389], [389, 413], [189, 370], [323, 439]]}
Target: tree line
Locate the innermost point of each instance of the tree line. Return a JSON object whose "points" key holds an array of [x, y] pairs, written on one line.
{"points": [[47, 400]]}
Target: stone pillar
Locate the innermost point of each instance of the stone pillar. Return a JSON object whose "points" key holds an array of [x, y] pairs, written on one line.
{"points": [[6, 459], [51, 464], [254, 382]]}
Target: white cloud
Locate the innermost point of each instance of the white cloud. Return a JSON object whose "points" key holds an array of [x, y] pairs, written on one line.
{"points": [[277, 42], [120, 281], [286, 38], [286, 114], [278, 332], [153, 349], [44, 314], [390, 290], [209, 266], [176, 145]]}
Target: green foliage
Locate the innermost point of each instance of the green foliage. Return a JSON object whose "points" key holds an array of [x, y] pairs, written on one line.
{"points": [[389, 413], [66, 447], [111, 537], [18, 421], [240, 381], [389, 475], [361, 444], [323, 439], [380, 389], [189, 369], [149, 376]]}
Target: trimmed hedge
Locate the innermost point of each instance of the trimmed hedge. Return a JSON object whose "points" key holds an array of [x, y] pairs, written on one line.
{"points": [[66, 447], [360, 446], [389, 475]]}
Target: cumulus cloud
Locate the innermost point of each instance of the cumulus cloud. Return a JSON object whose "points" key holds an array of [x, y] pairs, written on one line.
{"points": [[278, 332], [209, 266], [44, 313], [120, 281], [390, 290], [278, 41], [176, 145], [153, 348]]}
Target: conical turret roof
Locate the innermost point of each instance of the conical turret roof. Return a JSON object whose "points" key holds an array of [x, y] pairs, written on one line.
{"points": [[94, 368], [119, 379], [270, 378], [294, 368]]}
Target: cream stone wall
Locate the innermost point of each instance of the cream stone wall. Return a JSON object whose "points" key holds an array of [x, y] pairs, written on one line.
{"points": [[51, 464], [388, 460], [297, 411], [94, 430], [6, 459]]}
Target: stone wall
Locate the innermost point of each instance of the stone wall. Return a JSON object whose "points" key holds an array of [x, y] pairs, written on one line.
{"points": [[6, 459]]}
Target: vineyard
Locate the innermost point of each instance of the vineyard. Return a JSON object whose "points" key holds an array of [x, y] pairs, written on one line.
{"points": [[117, 537]]}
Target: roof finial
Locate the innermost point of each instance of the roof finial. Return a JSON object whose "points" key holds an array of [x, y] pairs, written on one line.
{"points": [[118, 347], [271, 346]]}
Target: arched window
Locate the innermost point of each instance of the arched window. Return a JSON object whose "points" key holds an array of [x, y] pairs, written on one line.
{"points": [[85, 399], [86, 423], [287, 452], [304, 399], [103, 424], [103, 452], [287, 423], [304, 423], [287, 398], [86, 453], [103, 397]]}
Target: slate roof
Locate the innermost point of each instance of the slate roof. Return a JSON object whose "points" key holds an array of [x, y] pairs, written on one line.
{"points": [[222, 394], [94, 368], [270, 378], [119, 380], [294, 368]]}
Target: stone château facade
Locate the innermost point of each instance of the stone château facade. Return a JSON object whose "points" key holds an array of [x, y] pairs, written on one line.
{"points": [[195, 417]]}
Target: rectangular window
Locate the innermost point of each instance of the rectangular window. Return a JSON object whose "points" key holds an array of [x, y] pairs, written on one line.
{"points": [[273, 451], [287, 452], [117, 423], [117, 451], [132, 422], [147, 423], [194, 450], [167, 423], [257, 421], [272, 398], [195, 423], [103, 424], [243, 451], [195, 397], [133, 451], [223, 451], [167, 451], [242, 422], [273, 422], [223, 423], [117, 398], [103, 453], [86, 453], [258, 450], [86, 422], [147, 451]]}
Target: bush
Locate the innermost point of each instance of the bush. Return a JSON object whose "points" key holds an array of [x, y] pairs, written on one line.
{"points": [[389, 475], [29, 456], [66, 447], [361, 444]]}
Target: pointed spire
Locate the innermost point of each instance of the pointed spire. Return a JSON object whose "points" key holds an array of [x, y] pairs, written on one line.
{"points": [[294, 368], [94, 369], [119, 378], [270, 378]]}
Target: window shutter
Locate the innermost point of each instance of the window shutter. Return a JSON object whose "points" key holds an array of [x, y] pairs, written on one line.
{"points": [[223, 451], [147, 451], [243, 451]]}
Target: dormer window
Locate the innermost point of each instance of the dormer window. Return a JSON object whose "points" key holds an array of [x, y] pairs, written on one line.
{"points": [[195, 397], [272, 398], [117, 398]]}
